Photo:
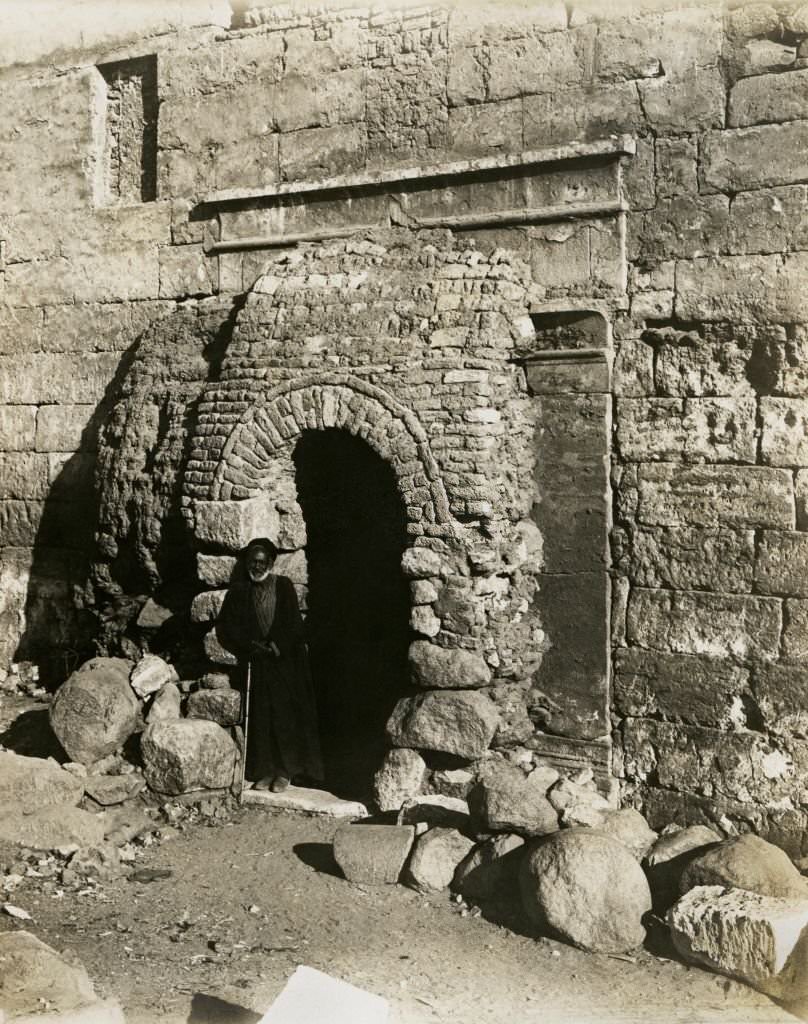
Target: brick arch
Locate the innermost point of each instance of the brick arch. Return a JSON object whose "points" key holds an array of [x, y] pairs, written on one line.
{"points": [[322, 401]]}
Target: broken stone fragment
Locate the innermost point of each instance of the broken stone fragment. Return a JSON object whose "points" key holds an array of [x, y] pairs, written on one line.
{"points": [[167, 703], [461, 722], [627, 826], [109, 790], [507, 799], [586, 888], [220, 706], [51, 827], [491, 870], [446, 811], [150, 674], [399, 778], [684, 840], [215, 681], [28, 783], [373, 854], [761, 940], [32, 973], [152, 615], [452, 782], [446, 668], [183, 755], [435, 859], [95, 710], [747, 862]]}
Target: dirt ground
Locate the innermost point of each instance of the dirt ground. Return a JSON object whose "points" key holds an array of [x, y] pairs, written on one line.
{"points": [[250, 894], [250, 899]]}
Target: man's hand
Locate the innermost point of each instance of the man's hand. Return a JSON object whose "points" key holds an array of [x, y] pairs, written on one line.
{"points": [[261, 648]]}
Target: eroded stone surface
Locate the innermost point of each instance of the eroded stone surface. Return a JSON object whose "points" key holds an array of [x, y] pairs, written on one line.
{"points": [[183, 755], [457, 722], [400, 778], [95, 710], [435, 858], [373, 854]]}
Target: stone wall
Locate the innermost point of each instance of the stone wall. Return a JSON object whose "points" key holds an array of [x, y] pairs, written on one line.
{"points": [[128, 321]]}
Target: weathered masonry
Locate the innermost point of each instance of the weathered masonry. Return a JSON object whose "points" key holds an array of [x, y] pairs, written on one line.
{"points": [[495, 318]]}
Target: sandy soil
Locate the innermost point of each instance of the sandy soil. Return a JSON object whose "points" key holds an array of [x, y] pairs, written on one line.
{"points": [[251, 898]]}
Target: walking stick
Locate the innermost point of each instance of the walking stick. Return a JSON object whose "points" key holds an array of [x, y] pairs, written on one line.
{"points": [[246, 729]]}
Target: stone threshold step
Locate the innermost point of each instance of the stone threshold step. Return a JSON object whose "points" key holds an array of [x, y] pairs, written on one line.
{"points": [[305, 801]]}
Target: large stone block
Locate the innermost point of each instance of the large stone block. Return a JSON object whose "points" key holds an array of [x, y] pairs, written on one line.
{"points": [[690, 365], [693, 622], [491, 870], [704, 767], [743, 288], [739, 496], [185, 271], [687, 688], [784, 440], [760, 940], [205, 607], [484, 127], [763, 99], [539, 63], [690, 558], [795, 631], [64, 428], [220, 706], [676, 161], [673, 42], [400, 778], [506, 799], [581, 114], [781, 694], [693, 429], [17, 428], [695, 102], [782, 563], [183, 755], [450, 668], [71, 379], [684, 227], [215, 570], [458, 722], [373, 854], [23, 476], [321, 152], [769, 220], [48, 828], [33, 976], [28, 783], [733, 161], [233, 524]]}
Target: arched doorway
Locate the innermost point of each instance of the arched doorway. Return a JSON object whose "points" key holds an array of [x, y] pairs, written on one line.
{"points": [[358, 600]]}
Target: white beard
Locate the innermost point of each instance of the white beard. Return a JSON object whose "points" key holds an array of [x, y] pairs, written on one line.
{"points": [[259, 577]]}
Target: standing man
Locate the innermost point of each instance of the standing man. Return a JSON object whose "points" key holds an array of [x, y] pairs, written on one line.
{"points": [[260, 623]]}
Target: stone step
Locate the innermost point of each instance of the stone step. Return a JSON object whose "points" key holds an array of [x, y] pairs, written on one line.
{"points": [[306, 801]]}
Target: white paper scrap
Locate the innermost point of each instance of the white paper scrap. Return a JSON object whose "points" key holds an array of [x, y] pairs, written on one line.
{"points": [[311, 996]]}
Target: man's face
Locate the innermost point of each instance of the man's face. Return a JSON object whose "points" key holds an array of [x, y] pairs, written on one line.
{"points": [[259, 565]]}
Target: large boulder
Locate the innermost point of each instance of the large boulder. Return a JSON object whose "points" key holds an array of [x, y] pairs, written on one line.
{"points": [[27, 783], [506, 799], [435, 859], [747, 862], [95, 710], [491, 870], [51, 827], [586, 888], [180, 756], [220, 706], [400, 777], [461, 722], [446, 668], [373, 854], [761, 940]]}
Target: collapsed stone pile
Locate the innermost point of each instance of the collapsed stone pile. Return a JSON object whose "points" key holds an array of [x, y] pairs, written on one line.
{"points": [[512, 834], [109, 700]]}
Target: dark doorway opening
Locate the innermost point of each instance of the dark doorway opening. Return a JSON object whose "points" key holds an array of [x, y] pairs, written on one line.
{"points": [[358, 600]]}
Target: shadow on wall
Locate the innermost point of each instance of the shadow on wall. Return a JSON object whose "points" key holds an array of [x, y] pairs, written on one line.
{"points": [[111, 533]]}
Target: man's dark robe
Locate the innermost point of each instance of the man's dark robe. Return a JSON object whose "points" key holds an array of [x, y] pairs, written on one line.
{"points": [[283, 738]]}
